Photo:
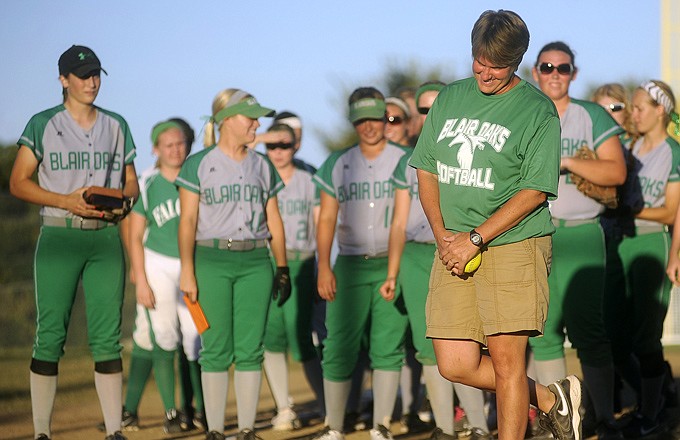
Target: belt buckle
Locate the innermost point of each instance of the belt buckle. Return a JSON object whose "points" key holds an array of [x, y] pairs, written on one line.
{"points": [[87, 224]]}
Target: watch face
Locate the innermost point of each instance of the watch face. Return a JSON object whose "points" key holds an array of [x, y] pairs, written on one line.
{"points": [[475, 238]]}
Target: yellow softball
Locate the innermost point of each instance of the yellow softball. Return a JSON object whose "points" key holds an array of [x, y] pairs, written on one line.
{"points": [[473, 264]]}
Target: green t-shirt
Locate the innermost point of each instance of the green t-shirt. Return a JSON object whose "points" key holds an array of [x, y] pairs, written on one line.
{"points": [[485, 149], [159, 205]]}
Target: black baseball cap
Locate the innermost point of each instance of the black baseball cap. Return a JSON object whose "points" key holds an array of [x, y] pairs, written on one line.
{"points": [[80, 61]]}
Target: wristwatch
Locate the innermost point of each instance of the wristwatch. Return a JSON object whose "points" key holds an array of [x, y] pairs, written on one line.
{"points": [[476, 239]]}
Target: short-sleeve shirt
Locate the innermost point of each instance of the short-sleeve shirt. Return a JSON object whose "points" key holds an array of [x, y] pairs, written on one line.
{"points": [[365, 196], [159, 205], [70, 157], [296, 204], [484, 149], [233, 195], [417, 227], [660, 167], [584, 123]]}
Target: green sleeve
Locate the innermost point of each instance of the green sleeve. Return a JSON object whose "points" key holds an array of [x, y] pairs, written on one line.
{"points": [[323, 178], [398, 177]]}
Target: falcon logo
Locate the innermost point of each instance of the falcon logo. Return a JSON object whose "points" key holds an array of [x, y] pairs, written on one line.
{"points": [[466, 151]]}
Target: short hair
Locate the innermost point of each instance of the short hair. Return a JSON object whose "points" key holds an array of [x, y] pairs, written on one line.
{"points": [[501, 37], [365, 92], [559, 46]]}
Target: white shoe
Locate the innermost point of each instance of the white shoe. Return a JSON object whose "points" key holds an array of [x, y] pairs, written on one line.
{"points": [[286, 420], [381, 433], [329, 434]]}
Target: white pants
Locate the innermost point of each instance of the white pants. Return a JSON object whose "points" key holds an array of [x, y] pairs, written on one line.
{"points": [[170, 317]]}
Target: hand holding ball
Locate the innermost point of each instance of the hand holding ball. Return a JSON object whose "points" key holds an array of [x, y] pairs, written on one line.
{"points": [[473, 264]]}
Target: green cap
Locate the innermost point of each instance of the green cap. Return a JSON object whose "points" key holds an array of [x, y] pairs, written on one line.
{"points": [[428, 87], [237, 105], [367, 108]]}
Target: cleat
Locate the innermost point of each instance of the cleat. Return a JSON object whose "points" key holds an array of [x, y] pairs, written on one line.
{"points": [[129, 421], [42, 437], [438, 434], [380, 432], [286, 420], [172, 423], [116, 436], [564, 418], [214, 435], [329, 434], [200, 422], [247, 434]]}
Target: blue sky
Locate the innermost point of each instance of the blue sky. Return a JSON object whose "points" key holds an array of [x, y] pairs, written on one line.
{"points": [[170, 58]]}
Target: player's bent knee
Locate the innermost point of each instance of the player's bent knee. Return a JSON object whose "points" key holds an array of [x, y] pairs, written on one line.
{"points": [[44, 368], [109, 367]]}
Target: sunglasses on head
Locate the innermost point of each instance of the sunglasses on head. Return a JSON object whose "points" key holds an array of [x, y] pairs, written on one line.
{"points": [[282, 146], [616, 107], [423, 110], [562, 69], [394, 120]]}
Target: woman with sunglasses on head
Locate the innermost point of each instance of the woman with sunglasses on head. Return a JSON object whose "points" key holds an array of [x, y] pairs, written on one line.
{"points": [[76, 244], [577, 277], [228, 216], [645, 254], [289, 327], [398, 117], [357, 200]]}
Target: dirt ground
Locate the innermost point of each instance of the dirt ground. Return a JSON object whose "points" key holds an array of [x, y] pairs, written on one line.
{"points": [[77, 412]]}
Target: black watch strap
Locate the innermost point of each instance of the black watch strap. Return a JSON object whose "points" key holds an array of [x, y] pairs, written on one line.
{"points": [[476, 238]]}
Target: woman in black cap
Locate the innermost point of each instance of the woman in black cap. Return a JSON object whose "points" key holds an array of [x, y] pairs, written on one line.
{"points": [[74, 146]]}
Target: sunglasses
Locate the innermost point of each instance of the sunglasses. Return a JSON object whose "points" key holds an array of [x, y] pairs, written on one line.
{"points": [[562, 69], [423, 110], [616, 107], [279, 145], [395, 120]]}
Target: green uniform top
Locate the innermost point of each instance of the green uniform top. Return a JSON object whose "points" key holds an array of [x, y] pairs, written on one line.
{"points": [[584, 123], [486, 148], [365, 194], [417, 227], [70, 157], [659, 167], [159, 205], [233, 195], [296, 204]]}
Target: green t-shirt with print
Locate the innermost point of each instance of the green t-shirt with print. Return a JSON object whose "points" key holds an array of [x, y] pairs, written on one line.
{"points": [[485, 149]]}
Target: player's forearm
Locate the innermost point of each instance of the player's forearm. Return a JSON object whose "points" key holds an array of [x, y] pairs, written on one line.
{"points": [[29, 191], [324, 242], [395, 250], [131, 187], [661, 215]]}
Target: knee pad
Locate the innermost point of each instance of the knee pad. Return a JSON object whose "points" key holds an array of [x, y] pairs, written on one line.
{"points": [[109, 367], [44, 368], [652, 364]]}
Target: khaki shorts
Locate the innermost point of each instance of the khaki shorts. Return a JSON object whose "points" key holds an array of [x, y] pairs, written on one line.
{"points": [[507, 294]]}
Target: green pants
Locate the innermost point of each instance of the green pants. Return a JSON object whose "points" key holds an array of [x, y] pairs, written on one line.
{"points": [[576, 284], [414, 278], [357, 307], [234, 290], [63, 256], [290, 326], [636, 322]]}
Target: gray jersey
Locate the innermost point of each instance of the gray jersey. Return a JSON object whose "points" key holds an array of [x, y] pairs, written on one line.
{"points": [[70, 157], [365, 194], [660, 167], [587, 124], [233, 195], [417, 228], [296, 204]]}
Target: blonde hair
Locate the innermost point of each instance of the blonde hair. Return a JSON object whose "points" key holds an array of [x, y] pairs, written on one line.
{"points": [[668, 92], [220, 101], [618, 92]]}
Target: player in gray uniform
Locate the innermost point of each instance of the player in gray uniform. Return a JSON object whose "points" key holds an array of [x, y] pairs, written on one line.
{"points": [[229, 214], [577, 278], [358, 196], [73, 146], [290, 326]]}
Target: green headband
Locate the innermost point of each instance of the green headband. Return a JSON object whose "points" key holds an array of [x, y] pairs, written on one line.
{"points": [[248, 107], [675, 118], [427, 88], [162, 127], [367, 108]]}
